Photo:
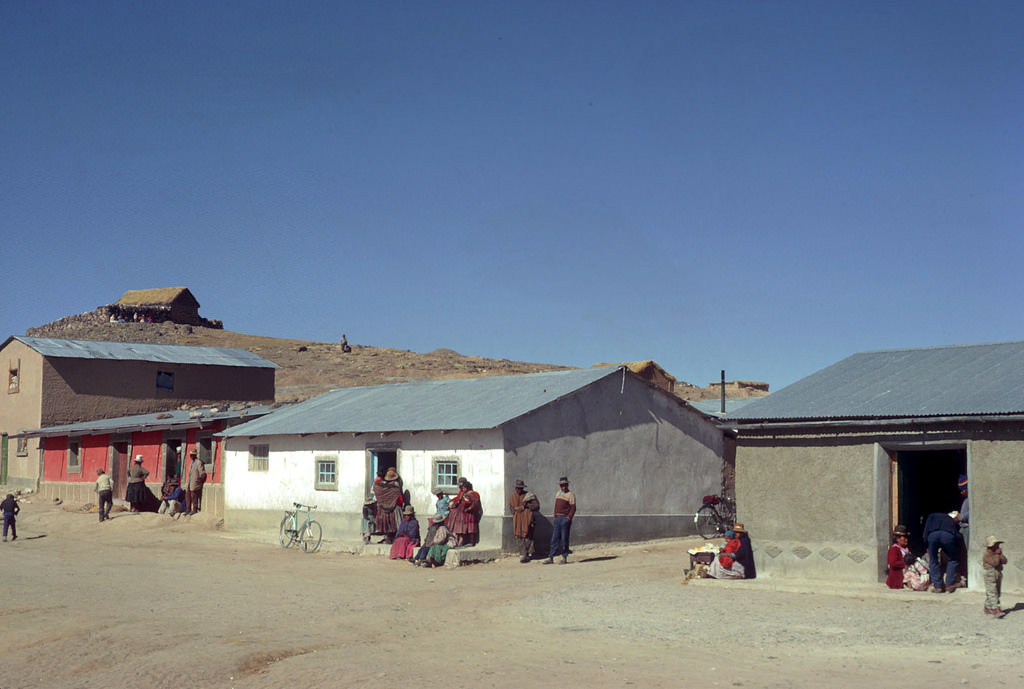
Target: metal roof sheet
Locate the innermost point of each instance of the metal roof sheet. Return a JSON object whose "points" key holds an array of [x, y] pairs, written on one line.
{"points": [[931, 381], [713, 407], [135, 351], [153, 421], [469, 403]]}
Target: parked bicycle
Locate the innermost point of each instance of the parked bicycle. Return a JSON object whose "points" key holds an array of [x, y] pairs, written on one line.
{"points": [[716, 516], [306, 533]]}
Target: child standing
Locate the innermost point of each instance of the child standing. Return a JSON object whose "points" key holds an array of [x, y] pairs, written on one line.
{"points": [[992, 565], [10, 508]]}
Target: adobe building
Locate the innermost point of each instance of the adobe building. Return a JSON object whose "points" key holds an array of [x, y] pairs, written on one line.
{"points": [[826, 467], [72, 453], [53, 381]]}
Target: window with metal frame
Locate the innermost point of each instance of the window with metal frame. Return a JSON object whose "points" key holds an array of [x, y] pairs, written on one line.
{"points": [[259, 458], [446, 474], [326, 472]]}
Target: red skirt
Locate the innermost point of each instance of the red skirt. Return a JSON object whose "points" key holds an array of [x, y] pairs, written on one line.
{"points": [[403, 548]]}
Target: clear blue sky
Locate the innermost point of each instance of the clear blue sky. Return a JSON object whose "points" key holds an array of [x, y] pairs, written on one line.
{"points": [[760, 187]]}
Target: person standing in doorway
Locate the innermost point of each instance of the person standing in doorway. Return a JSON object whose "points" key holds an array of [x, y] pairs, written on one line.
{"points": [[565, 510], [105, 490], [964, 517], [940, 533], [196, 479]]}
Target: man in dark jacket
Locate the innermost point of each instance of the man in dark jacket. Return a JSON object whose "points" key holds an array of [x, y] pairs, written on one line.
{"points": [[10, 508], [942, 533]]}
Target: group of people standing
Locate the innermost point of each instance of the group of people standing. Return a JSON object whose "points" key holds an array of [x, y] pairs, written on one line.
{"points": [[946, 536], [173, 500], [456, 521]]}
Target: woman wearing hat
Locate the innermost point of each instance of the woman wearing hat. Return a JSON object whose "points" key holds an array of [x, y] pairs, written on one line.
{"points": [[136, 493], [407, 537], [899, 557], [388, 492]]}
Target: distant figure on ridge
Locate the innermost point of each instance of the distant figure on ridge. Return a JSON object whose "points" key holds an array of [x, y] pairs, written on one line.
{"points": [[344, 345]]}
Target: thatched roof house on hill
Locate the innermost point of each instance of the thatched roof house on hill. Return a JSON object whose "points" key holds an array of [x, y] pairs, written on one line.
{"points": [[175, 304]]}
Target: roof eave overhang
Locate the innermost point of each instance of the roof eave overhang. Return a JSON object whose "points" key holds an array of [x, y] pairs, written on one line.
{"points": [[817, 424]]}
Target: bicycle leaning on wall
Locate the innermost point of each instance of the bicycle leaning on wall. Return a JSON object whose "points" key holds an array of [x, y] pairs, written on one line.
{"points": [[307, 532], [716, 516]]}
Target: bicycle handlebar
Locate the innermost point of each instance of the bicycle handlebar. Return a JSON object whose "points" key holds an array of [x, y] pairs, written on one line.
{"points": [[298, 506]]}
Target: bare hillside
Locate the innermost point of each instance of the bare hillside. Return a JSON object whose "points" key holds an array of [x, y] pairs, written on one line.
{"points": [[307, 368], [311, 368]]}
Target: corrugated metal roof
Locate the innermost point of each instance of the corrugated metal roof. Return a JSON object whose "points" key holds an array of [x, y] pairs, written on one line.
{"points": [[932, 381], [135, 351], [426, 405], [154, 421], [714, 406]]}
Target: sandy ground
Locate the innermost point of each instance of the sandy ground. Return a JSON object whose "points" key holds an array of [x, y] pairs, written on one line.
{"points": [[146, 601]]}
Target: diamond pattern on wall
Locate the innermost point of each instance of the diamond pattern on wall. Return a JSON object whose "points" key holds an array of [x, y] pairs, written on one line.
{"points": [[801, 552], [857, 556], [829, 554]]}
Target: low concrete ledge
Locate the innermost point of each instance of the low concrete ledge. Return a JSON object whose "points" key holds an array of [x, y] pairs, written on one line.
{"points": [[456, 557]]}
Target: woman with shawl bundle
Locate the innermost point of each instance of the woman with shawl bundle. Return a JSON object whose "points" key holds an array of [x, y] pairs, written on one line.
{"points": [[463, 520], [388, 492], [407, 538]]}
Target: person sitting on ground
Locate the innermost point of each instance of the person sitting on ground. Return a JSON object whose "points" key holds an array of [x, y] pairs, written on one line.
{"points": [[173, 502], [726, 565], [434, 523], [941, 533], [899, 557], [745, 555], [407, 538], [443, 540], [368, 527]]}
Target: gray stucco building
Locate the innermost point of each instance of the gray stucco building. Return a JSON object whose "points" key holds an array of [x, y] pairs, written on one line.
{"points": [[827, 466]]}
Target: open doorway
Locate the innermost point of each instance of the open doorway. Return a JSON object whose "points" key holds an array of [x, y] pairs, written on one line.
{"points": [[378, 460], [173, 459], [924, 481]]}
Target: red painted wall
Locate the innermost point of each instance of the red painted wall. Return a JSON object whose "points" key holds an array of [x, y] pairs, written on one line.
{"points": [[95, 452], [150, 445], [55, 459]]}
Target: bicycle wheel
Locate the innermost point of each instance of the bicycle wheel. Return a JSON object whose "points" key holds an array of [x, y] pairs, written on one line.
{"points": [[310, 536], [707, 523], [287, 532], [727, 511]]}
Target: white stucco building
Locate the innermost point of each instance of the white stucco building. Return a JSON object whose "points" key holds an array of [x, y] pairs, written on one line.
{"points": [[639, 458]]}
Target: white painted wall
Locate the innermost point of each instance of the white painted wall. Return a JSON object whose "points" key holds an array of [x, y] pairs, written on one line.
{"points": [[292, 473]]}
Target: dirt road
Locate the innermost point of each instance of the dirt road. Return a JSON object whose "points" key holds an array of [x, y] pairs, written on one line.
{"points": [[145, 601]]}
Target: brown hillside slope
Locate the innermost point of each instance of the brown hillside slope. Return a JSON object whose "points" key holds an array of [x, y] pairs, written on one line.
{"points": [[307, 368], [312, 368]]}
